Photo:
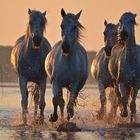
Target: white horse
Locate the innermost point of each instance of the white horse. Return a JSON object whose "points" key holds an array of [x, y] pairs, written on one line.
{"points": [[67, 65]]}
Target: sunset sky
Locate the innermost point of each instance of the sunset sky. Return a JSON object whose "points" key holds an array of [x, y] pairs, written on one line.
{"points": [[14, 18]]}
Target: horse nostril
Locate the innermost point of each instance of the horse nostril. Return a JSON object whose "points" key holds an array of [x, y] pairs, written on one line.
{"points": [[65, 47], [37, 40]]}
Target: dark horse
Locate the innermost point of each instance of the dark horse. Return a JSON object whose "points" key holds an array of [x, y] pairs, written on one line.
{"points": [[28, 57], [67, 65], [124, 64]]}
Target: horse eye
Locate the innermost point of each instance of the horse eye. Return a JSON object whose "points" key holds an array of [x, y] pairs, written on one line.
{"points": [[74, 27], [132, 21], [115, 33]]}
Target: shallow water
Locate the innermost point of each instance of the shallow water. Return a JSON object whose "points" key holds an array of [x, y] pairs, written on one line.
{"points": [[85, 118]]}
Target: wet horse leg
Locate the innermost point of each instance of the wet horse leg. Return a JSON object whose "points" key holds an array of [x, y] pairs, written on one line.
{"points": [[113, 102], [102, 100], [42, 103], [24, 96], [36, 99], [133, 105], [71, 103], [124, 112], [56, 101], [61, 104]]}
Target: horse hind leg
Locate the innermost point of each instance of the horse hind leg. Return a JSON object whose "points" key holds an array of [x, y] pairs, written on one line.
{"points": [[102, 110], [56, 102], [24, 96]]}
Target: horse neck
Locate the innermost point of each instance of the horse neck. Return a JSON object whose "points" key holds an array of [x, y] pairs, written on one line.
{"points": [[130, 50], [73, 49]]}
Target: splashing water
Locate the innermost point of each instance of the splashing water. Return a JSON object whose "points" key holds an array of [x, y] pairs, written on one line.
{"points": [[85, 118]]}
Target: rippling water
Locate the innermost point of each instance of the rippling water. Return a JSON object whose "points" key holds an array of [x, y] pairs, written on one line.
{"points": [[85, 118]]}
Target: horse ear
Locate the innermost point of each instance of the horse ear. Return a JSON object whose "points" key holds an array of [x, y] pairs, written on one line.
{"points": [[117, 25], [105, 22], [78, 15], [135, 15], [29, 11], [44, 13], [63, 13]]}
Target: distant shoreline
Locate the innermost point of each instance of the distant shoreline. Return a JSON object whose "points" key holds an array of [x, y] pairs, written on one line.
{"points": [[16, 85]]}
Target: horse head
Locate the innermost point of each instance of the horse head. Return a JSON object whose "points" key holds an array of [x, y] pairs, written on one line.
{"points": [[36, 26], [70, 30], [110, 37], [126, 25]]}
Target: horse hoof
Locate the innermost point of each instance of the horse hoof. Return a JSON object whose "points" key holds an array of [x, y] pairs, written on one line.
{"points": [[133, 118], [70, 113], [99, 116], [53, 118], [124, 114]]}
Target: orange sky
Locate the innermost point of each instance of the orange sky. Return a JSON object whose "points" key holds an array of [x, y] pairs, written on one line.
{"points": [[14, 17]]}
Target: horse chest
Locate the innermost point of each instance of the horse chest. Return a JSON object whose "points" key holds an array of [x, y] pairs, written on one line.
{"points": [[70, 73], [31, 67]]}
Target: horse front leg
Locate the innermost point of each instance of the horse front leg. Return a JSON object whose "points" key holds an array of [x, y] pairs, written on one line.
{"points": [[24, 98], [42, 103], [36, 100], [56, 101], [113, 102], [133, 105], [71, 104], [124, 102], [102, 110], [61, 104]]}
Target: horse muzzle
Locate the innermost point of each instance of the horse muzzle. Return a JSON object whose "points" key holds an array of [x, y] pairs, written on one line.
{"points": [[37, 41], [108, 51], [65, 47]]}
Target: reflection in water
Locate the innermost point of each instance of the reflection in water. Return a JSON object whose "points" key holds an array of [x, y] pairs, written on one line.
{"points": [[26, 134]]}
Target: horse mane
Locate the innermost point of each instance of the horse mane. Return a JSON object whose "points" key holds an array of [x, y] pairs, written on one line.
{"points": [[80, 30]]}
